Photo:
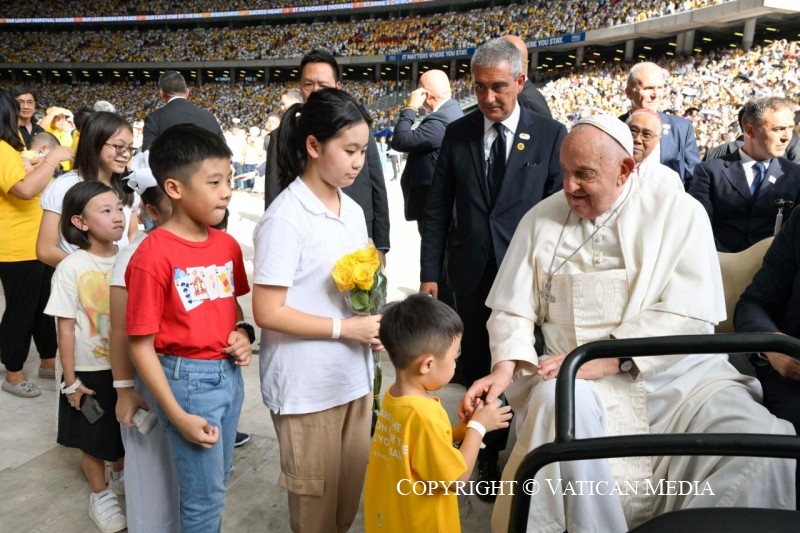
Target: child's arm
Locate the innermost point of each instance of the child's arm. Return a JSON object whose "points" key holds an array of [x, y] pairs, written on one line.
{"points": [[491, 417], [128, 400], [66, 350], [193, 428], [47, 250], [239, 346], [271, 312]]}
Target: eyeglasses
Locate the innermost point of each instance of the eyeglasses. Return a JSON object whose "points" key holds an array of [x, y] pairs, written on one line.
{"points": [[647, 135], [122, 150]]}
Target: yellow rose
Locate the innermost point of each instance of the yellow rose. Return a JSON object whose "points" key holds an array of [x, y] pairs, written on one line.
{"points": [[369, 256], [343, 275], [363, 276]]}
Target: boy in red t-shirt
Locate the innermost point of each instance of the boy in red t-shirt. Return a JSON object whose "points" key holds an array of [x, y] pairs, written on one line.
{"points": [[183, 320]]}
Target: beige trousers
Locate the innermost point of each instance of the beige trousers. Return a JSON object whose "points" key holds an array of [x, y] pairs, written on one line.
{"points": [[323, 464]]}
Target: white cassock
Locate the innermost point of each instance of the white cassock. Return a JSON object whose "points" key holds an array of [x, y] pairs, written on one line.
{"points": [[652, 169], [652, 270]]}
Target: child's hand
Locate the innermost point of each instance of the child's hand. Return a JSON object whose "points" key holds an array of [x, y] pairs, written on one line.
{"points": [[197, 430], [239, 348], [362, 329], [74, 399], [128, 402], [491, 415]]}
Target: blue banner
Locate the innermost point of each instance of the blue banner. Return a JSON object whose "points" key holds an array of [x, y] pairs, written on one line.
{"points": [[553, 41], [422, 56]]}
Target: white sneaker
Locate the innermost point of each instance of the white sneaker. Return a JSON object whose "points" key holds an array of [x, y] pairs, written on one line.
{"points": [[105, 512], [116, 482]]}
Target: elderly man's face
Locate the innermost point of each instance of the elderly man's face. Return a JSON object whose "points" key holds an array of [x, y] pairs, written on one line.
{"points": [[648, 91], [496, 90], [594, 169], [646, 132]]}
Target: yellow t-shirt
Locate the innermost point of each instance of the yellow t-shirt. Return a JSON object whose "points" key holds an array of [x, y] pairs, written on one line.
{"points": [[413, 442], [64, 139], [19, 219]]}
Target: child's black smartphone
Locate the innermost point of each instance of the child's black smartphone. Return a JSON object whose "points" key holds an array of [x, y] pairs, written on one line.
{"points": [[91, 409]]}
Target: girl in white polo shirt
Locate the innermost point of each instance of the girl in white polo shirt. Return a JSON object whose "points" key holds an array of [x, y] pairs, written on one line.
{"points": [[316, 370]]}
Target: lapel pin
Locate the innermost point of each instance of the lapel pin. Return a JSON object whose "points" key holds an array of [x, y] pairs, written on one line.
{"points": [[520, 147], [524, 136]]}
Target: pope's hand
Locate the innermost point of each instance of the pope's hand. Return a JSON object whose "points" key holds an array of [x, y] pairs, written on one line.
{"points": [[548, 369]]}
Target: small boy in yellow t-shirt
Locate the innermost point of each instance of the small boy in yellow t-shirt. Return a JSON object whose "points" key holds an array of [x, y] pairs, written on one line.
{"points": [[414, 470]]}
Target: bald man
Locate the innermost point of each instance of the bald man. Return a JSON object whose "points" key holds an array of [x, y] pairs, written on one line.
{"points": [[530, 96], [645, 126], [677, 145], [422, 146]]}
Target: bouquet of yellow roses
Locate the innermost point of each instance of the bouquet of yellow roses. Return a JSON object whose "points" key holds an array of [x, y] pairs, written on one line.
{"points": [[359, 275]]}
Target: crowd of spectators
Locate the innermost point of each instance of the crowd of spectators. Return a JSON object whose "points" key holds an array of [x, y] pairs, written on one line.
{"points": [[443, 31], [243, 104], [709, 89]]}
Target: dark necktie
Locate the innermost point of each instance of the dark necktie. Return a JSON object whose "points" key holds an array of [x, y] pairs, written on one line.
{"points": [[497, 161], [758, 176]]}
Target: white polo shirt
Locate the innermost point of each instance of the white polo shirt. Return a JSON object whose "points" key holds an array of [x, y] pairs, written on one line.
{"points": [[297, 242]]}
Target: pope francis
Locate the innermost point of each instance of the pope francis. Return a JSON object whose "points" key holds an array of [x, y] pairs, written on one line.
{"points": [[619, 257]]}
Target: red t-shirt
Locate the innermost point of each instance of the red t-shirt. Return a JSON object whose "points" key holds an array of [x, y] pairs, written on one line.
{"points": [[185, 292]]}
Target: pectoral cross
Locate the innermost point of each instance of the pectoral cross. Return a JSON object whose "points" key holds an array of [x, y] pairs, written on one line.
{"points": [[546, 295]]}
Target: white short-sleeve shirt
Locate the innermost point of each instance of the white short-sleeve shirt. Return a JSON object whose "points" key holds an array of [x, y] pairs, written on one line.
{"points": [[297, 242], [53, 200]]}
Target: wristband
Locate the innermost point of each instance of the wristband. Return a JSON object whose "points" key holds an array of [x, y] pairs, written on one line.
{"points": [[123, 383], [72, 388], [480, 428], [337, 328], [49, 163]]}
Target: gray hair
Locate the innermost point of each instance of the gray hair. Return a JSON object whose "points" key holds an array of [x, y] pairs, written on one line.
{"points": [[492, 54], [633, 75], [753, 111], [102, 105]]}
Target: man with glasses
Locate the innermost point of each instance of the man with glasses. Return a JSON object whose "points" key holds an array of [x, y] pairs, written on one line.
{"points": [[27, 107], [677, 147], [645, 126], [178, 110]]}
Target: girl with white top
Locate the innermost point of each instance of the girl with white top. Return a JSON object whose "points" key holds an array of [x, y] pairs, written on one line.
{"points": [[103, 153], [316, 365], [93, 220]]}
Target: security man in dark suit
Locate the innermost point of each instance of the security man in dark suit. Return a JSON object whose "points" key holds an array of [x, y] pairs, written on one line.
{"points": [[530, 96], [495, 164], [422, 146], [771, 304], [179, 110], [739, 190]]}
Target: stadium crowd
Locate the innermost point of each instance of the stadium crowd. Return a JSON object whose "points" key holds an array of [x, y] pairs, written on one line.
{"points": [[413, 34], [709, 89]]}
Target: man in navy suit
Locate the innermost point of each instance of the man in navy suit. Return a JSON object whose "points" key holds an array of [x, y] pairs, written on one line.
{"points": [[179, 110], [739, 190], [678, 147], [422, 146], [494, 165]]}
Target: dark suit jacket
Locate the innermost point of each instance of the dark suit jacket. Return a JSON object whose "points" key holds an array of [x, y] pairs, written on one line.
{"points": [[792, 150], [368, 190], [533, 99], [738, 222], [178, 111], [678, 145], [422, 145], [772, 301], [459, 218]]}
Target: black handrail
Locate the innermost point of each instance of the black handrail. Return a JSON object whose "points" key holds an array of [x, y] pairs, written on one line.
{"points": [[566, 448]]}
